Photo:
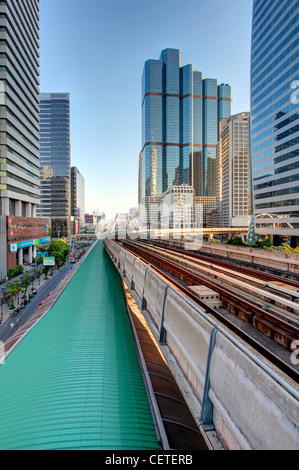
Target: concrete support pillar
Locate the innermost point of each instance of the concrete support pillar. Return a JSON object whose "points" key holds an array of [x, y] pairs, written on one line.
{"points": [[34, 251], [5, 206], [33, 210], [20, 256], [18, 208], [28, 209], [294, 242], [30, 254], [276, 240]]}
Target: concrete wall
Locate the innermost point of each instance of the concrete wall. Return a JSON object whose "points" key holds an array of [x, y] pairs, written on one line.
{"points": [[247, 404], [282, 261]]}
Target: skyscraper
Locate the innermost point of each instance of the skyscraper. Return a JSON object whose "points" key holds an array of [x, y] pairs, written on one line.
{"points": [[181, 110], [19, 133], [275, 113], [77, 200], [233, 176], [55, 160]]}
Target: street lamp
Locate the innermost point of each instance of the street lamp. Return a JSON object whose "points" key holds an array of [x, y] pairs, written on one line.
{"points": [[22, 281], [2, 297]]}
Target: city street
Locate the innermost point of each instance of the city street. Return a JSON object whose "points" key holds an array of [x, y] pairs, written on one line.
{"points": [[19, 319]]}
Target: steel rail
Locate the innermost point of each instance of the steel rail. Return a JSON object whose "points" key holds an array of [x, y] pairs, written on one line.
{"points": [[228, 270], [167, 266], [227, 293], [229, 265]]}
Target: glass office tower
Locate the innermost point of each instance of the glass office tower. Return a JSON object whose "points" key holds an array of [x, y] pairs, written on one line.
{"points": [[181, 110], [55, 160], [275, 113]]}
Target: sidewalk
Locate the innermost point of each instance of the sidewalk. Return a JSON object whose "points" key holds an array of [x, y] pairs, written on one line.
{"points": [[4, 309], [27, 270]]}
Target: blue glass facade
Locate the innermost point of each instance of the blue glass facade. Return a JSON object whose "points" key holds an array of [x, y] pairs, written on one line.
{"points": [[274, 114], [181, 110], [55, 161]]}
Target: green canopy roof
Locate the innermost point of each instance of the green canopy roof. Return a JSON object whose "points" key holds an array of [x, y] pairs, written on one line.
{"points": [[74, 382]]}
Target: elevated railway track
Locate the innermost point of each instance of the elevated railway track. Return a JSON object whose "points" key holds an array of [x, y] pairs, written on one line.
{"points": [[258, 307]]}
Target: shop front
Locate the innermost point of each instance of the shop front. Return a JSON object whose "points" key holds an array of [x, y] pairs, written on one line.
{"points": [[24, 235]]}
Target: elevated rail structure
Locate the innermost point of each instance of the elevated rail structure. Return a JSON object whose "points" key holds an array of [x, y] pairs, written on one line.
{"points": [[282, 324], [85, 373], [241, 390]]}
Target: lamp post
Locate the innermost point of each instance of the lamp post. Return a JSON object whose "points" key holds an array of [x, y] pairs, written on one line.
{"points": [[34, 275], [22, 281], [2, 297]]}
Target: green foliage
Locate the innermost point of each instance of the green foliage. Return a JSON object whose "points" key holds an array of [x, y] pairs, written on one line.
{"points": [[59, 258], [60, 250], [284, 248], [26, 282], [13, 288], [262, 243], [236, 241], [15, 271], [46, 271], [38, 260]]}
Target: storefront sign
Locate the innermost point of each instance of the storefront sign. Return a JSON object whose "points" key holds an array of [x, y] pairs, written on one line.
{"points": [[49, 261], [14, 247]]}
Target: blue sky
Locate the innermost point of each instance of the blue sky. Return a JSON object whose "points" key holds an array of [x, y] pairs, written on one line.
{"points": [[96, 50]]}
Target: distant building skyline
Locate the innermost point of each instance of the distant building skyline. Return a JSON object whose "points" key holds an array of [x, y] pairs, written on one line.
{"points": [[220, 48], [181, 110], [55, 161], [275, 129]]}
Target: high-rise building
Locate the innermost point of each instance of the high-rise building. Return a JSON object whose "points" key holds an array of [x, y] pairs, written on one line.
{"points": [[233, 175], [181, 110], [77, 201], [19, 133], [55, 160], [177, 207], [140, 178], [203, 205], [274, 115]]}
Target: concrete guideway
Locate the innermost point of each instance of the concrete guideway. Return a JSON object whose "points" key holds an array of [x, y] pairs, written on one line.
{"points": [[234, 393]]}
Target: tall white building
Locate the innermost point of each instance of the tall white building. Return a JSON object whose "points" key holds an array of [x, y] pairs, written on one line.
{"points": [[77, 200], [19, 109], [233, 171], [19, 132], [177, 207]]}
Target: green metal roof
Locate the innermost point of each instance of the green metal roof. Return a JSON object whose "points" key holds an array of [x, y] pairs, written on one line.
{"points": [[74, 382]]}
